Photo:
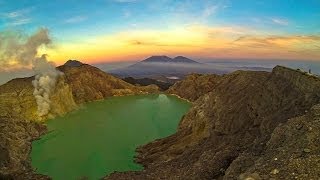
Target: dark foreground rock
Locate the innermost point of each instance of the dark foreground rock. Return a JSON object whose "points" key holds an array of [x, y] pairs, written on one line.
{"points": [[292, 152], [250, 124], [16, 137]]}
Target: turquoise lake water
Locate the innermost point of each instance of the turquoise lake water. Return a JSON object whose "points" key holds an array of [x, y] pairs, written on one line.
{"points": [[102, 136]]}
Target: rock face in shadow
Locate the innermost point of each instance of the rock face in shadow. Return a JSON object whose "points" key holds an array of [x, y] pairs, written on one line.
{"points": [[20, 124], [16, 137], [292, 152], [232, 131], [148, 81], [194, 86]]}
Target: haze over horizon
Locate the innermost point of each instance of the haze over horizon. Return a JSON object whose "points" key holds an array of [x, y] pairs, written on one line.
{"points": [[125, 30]]}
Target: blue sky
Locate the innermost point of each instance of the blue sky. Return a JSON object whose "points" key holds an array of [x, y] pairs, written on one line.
{"points": [[114, 15], [80, 21]]}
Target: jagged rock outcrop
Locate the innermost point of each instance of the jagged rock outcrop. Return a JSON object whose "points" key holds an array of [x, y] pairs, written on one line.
{"points": [[228, 129]]}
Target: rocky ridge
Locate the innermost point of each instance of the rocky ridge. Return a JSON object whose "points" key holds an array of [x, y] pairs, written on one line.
{"points": [[89, 83], [79, 84], [249, 125]]}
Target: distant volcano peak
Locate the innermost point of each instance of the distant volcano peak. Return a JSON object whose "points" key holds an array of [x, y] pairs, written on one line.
{"points": [[158, 59], [179, 57], [166, 59], [182, 59]]}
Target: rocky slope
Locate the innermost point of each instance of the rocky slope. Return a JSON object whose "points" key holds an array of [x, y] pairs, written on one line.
{"points": [[148, 81], [238, 129], [17, 100], [194, 86], [79, 84], [89, 83], [292, 152], [16, 137], [19, 122]]}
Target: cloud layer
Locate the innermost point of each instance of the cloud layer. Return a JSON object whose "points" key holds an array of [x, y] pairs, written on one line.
{"points": [[196, 41]]}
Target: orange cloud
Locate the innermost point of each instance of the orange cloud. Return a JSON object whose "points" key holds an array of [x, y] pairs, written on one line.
{"points": [[195, 40], [279, 41]]}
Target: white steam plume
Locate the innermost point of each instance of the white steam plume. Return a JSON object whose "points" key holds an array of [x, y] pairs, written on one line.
{"points": [[16, 51], [44, 83]]}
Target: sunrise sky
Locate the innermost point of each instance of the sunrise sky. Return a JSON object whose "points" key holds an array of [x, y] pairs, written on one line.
{"points": [[124, 30]]}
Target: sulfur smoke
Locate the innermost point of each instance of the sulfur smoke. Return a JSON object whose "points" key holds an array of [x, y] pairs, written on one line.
{"points": [[18, 51], [44, 83]]}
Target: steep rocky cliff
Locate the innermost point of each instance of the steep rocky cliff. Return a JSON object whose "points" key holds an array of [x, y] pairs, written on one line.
{"points": [[236, 130]]}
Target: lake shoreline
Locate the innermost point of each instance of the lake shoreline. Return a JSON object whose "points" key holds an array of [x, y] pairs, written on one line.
{"points": [[160, 105]]}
